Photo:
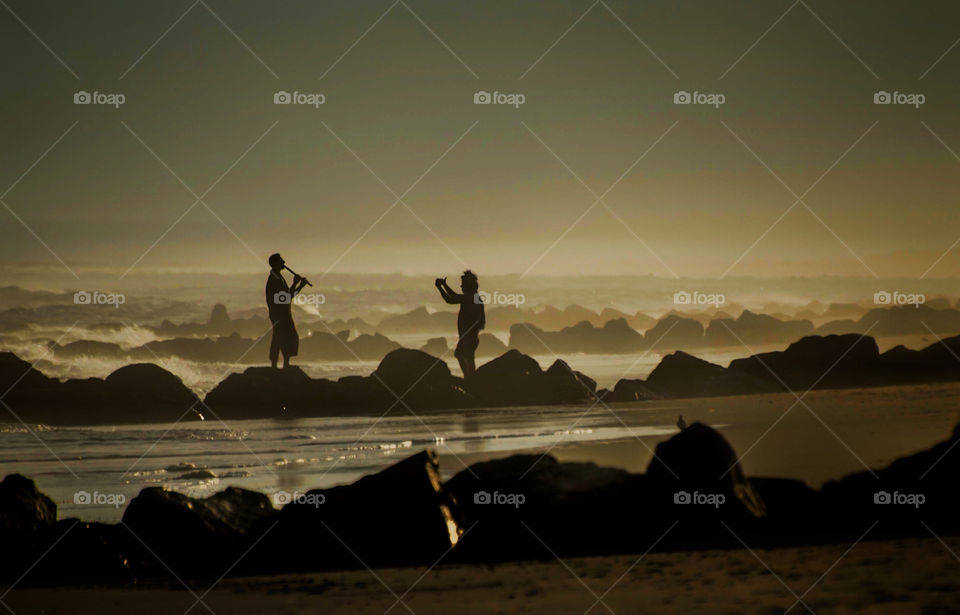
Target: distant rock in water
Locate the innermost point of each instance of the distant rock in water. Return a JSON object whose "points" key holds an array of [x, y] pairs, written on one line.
{"points": [[629, 390], [515, 379], [834, 360], [436, 346], [615, 337], [420, 381]]}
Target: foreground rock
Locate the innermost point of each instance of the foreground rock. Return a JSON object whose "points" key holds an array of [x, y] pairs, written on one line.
{"points": [[399, 516], [694, 495], [195, 536], [25, 516], [702, 471]]}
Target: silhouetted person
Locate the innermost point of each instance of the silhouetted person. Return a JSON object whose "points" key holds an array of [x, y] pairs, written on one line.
{"points": [[279, 303], [470, 320]]}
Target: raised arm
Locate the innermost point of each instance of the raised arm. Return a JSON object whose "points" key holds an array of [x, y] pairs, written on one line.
{"points": [[447, 293]]}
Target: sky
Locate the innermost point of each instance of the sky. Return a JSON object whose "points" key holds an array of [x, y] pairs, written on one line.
{"points": [[599, 171]]}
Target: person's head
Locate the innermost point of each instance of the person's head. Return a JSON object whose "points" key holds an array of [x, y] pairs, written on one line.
{"points": [[276, 262], [469, 283]]}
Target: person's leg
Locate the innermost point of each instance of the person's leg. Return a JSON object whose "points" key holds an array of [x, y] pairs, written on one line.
{"points": [[467, 347], [274, 345], [461, 357]]}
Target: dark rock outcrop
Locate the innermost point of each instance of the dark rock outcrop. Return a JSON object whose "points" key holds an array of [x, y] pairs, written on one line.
{"points": [[700, 460], [526, 506], [195, 536], [401, 515], [515, 379], [131, 394], [26, 515]]}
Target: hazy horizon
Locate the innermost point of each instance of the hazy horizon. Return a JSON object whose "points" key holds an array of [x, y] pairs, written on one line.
{"points": [[697, 190]]}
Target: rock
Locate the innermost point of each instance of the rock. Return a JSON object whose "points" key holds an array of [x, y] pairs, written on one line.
{"points": [[918, 487], [192, 535], [511, 379], [197, 475], [26, 515], [515, 379], [566, 385], [615, 337], [436, 346], [699, 460], [145, 381], [420, 380], [674, 331], [266, 391], [517, 505], [630, 390], [750, 328], [490, 346], [831, 361], [92, 554], [132, 394], [682, 375], [399, 516]]}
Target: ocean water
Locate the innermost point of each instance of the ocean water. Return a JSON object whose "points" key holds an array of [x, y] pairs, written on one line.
{"points": [[91, 472]]}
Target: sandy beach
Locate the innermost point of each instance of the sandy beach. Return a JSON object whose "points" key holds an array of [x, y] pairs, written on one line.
{"points": [[916, 576]]}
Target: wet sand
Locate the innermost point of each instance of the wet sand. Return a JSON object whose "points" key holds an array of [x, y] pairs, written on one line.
{"points": [[835, 433], [916, 576]]}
